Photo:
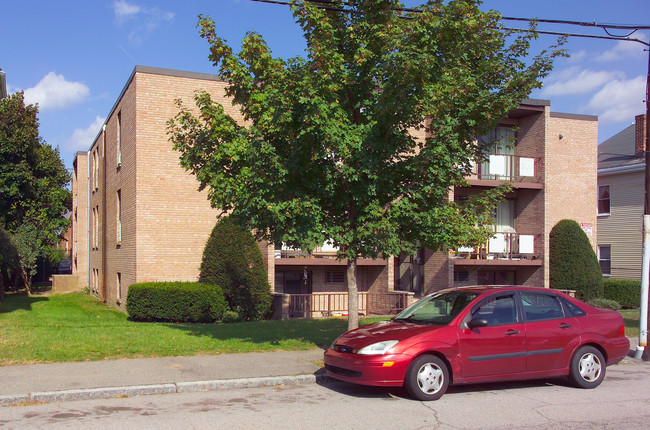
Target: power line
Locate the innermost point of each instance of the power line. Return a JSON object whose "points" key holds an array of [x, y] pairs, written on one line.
{"points": [[323, 4]]}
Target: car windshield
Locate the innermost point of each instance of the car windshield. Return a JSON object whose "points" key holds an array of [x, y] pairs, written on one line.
{"points": [[438, 309]]}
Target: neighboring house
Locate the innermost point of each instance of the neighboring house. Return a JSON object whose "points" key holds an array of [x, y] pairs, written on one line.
{"points": [[137, 215], [621, 194]]}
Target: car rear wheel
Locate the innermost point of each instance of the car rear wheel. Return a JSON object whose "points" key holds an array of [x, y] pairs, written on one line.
{"points": [[427, 378], [587, 367]]}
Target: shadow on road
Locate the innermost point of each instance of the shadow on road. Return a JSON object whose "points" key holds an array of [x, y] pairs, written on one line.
{"points": [[361, 391]]}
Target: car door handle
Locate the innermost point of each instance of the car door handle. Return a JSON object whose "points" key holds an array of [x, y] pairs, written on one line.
{"points": [[565, 325], [511, 332]]}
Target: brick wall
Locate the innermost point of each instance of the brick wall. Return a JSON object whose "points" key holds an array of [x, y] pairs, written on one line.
{"points": [[79, 218], [571, 159]]}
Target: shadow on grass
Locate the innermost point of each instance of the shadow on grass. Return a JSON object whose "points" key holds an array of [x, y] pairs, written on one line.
{"points": [[18, 302], [320, 332]]}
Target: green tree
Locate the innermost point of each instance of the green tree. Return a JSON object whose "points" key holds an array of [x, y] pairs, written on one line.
{"points": [[329, 150], [233, 261], [33, 179], [573, 264]]}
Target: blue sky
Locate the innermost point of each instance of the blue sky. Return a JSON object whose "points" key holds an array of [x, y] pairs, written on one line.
{"points": [[73, 57]]}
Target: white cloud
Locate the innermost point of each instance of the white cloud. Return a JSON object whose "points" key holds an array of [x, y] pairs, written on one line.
{"points": [[144, 20], [624, 49], [576, 81], [619, 100], [577, 57], [54, 92], [82, 138], [124, 10]]}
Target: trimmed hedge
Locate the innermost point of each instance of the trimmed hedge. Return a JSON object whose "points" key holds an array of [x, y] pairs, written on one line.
{"points": [[175, 302], [625, 291], [232, 259], [573, 264]]}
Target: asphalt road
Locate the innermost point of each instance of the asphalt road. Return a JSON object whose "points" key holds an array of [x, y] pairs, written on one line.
{"points": [[621, 402]]}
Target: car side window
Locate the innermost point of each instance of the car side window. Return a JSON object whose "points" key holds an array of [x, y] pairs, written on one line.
{"points": [[541, 307], [497, 311], [573, 309]]}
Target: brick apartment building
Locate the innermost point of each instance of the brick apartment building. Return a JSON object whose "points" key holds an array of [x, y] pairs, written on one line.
{"points": [[138, 217]]}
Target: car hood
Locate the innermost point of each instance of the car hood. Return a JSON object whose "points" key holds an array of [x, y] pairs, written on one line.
{"points": [[384, 330]]}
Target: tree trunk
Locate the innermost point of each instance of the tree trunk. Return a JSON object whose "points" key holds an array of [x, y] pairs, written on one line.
{"points": [[353, 295], [27, 280]]}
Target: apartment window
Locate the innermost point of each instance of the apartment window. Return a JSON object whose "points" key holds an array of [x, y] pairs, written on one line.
{"points": [[96, 235], [119, 287], [93, 231], [461, 275], [605, 259], [334, 277], [603, 200], [119, 139], [94, 180], [119, 217]]}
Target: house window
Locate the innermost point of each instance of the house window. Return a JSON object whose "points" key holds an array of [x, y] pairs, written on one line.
{"points": [[603, 200], [605, 259], [334, 277], [119, 217]]}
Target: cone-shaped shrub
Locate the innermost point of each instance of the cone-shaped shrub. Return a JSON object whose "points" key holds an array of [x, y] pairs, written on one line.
{"points": [[573, 262], [232, 260]]}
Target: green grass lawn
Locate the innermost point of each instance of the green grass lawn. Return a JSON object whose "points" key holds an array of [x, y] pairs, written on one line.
{"points": [[76, 327]]}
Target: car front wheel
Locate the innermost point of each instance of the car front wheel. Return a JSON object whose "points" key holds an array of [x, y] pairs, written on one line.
{"points": [[587, 367], [427, 378]]}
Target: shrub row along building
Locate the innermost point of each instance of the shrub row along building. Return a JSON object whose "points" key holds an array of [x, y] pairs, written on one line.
{"points": [[138, 217]]}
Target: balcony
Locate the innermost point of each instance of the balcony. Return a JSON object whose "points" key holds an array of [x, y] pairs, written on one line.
{"points": [[324, 255], [327, 250], [522, 172], [501, 248]]}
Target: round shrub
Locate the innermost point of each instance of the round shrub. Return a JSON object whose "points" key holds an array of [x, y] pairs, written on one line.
{"points": [[175, 302], [605, 304], [627, 292], [233, 260], [573, 262]]}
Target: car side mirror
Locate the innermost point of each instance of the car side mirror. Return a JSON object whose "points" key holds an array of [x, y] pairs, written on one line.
{"points": [[477, 322]]}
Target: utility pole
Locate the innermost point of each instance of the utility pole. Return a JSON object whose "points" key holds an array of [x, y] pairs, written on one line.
{"points": [[645, 274]]}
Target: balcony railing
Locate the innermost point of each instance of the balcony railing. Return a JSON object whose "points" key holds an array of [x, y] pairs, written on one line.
{"points": [[501, 246], [325, 251], [332, 304], [509, 168]]}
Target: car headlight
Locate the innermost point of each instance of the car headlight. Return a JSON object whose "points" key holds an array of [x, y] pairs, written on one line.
{"points": [[378, 348]]}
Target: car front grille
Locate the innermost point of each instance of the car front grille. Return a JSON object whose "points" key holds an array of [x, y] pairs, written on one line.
{"points": [[344, 349], [343, 372]]}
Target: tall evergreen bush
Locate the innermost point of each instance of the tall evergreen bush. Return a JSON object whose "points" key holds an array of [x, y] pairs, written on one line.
{"points": [[233, 260], [573, 262]]}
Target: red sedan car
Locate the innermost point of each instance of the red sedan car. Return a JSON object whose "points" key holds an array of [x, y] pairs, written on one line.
{"points": [[482, 334]]}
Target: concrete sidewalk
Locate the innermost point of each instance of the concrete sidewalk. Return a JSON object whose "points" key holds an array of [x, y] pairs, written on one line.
{"points": [[106, 379]]}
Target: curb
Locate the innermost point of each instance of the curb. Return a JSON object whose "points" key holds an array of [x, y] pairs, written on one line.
{"points": [[145, 390]]}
